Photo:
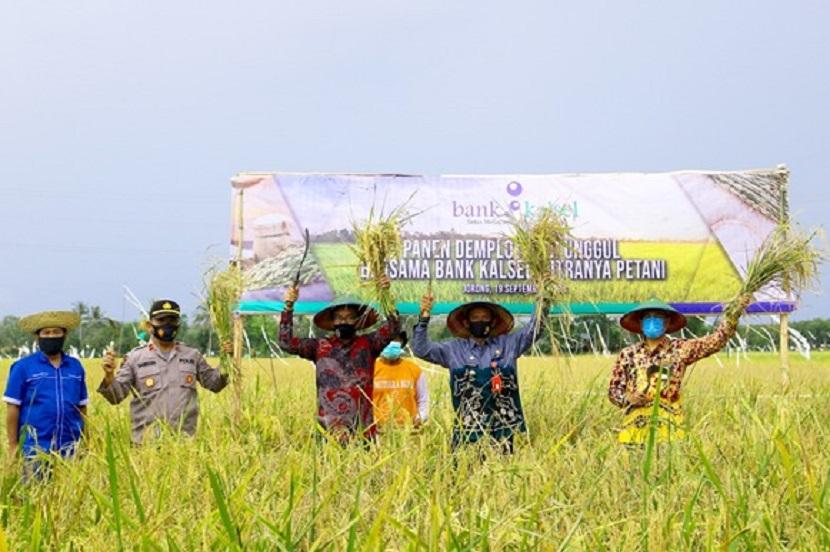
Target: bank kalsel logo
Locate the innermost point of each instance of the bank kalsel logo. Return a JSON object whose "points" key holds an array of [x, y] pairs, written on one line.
{"points": [[494, 211], [514, 189], [491, 209]]}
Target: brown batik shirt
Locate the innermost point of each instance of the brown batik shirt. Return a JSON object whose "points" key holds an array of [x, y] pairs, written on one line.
{"points": [[672, 356]]}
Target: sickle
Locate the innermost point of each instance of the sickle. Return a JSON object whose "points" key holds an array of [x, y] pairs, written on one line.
{"points": [[305, 253]]}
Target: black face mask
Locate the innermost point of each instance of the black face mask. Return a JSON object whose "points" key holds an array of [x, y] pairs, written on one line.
{"points": [[480, 329], [166, 333], [50, 345], [345, 331]]}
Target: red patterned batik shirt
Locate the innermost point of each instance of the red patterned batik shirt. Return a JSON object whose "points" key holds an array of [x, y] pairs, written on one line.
{"points": [[345, 373]]}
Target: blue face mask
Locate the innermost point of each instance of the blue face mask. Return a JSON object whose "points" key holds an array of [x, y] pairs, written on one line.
{"points": [[392, 351], [654, 327]]}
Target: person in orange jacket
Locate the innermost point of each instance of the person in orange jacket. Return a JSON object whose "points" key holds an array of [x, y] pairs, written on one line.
{"points": [[400, 394]]}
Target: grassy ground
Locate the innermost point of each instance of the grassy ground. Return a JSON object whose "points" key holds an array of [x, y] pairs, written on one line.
{"points": [[752, 476], [688, 280]]}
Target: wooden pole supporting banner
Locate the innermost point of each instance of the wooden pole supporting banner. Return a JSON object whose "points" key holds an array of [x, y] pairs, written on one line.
{"points": [[237, 367], [784, 348], [240, 226], [784, 321], [237, 319]]}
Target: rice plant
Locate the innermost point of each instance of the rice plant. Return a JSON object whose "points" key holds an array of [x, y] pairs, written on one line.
{"points": [[378, 239], [753, 473], [223, 289], [788, 259]]}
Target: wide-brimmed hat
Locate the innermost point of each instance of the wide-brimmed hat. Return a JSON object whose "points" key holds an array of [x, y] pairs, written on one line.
{"points": [[366, 315], [632, 320], [502, 319], [68, 320]]}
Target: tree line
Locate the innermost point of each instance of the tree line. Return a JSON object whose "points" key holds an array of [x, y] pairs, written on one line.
{"points": [[583, 334]]}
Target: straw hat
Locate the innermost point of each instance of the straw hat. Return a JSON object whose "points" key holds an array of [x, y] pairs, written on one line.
{"points": [[632, 320], [502, 319], [367, 316], [67, 320]]}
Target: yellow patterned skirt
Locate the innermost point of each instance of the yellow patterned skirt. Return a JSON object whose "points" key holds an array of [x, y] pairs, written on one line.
{"points": [[638, 421]]}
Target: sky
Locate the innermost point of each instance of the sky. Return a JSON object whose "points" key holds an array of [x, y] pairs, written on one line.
{"points": [[121, 123]]}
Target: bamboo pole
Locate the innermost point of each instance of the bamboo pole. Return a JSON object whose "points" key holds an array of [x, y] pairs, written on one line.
{"points": [[237, 319], [784, 348], [237, 367], [240, 225], [784, 320]]}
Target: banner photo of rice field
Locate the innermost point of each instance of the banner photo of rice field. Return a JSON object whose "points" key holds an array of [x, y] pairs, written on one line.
{"points": [[684, 237]]}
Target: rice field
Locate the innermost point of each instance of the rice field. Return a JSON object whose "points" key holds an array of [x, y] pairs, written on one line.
{"points": [[754, 474]]}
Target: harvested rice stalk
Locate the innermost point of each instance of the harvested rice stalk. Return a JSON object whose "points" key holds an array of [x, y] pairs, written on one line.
{"points": [[537, 240], [787, 259], [377, 240], [224, 288]]}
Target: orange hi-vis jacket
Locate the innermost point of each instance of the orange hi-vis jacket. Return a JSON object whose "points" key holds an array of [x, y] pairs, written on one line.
{"points": [[396, 393]]}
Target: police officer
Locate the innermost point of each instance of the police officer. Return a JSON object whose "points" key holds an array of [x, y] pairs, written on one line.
{"points": [[162, 377]]}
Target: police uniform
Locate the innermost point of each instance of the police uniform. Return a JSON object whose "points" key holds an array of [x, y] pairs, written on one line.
{"points": [[163, 386]]}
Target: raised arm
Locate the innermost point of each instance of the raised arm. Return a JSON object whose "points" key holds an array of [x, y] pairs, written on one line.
{"points": [[436, 353], [524, 339], [381, 337], [702, 347], [303, 347], [209, 377]]}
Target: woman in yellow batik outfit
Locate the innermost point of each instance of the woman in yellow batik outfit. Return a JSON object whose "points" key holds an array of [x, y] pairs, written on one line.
{"points": [[656, 365]]}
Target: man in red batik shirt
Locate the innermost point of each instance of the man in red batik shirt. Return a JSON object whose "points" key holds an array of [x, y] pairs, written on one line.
{"points": [[344, 361]]}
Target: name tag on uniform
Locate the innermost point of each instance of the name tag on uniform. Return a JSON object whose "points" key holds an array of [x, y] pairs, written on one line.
{"points": [[187, 360], [393, 384], [147, 363]]}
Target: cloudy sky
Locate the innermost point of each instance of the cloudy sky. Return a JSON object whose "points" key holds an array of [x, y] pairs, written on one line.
{"points": [[121, 122]]}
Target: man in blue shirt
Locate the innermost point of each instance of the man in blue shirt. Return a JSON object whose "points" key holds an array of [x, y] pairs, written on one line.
{"points": [[482, 365], [46, 392]]}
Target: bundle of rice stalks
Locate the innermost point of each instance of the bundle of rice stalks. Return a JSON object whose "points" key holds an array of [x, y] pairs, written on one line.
{"points": [[224, 288], [537, 240], [788, 259], [377, 240]]}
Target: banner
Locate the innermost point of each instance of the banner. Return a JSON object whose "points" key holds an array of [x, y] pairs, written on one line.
{"points": [[683, 237]]}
